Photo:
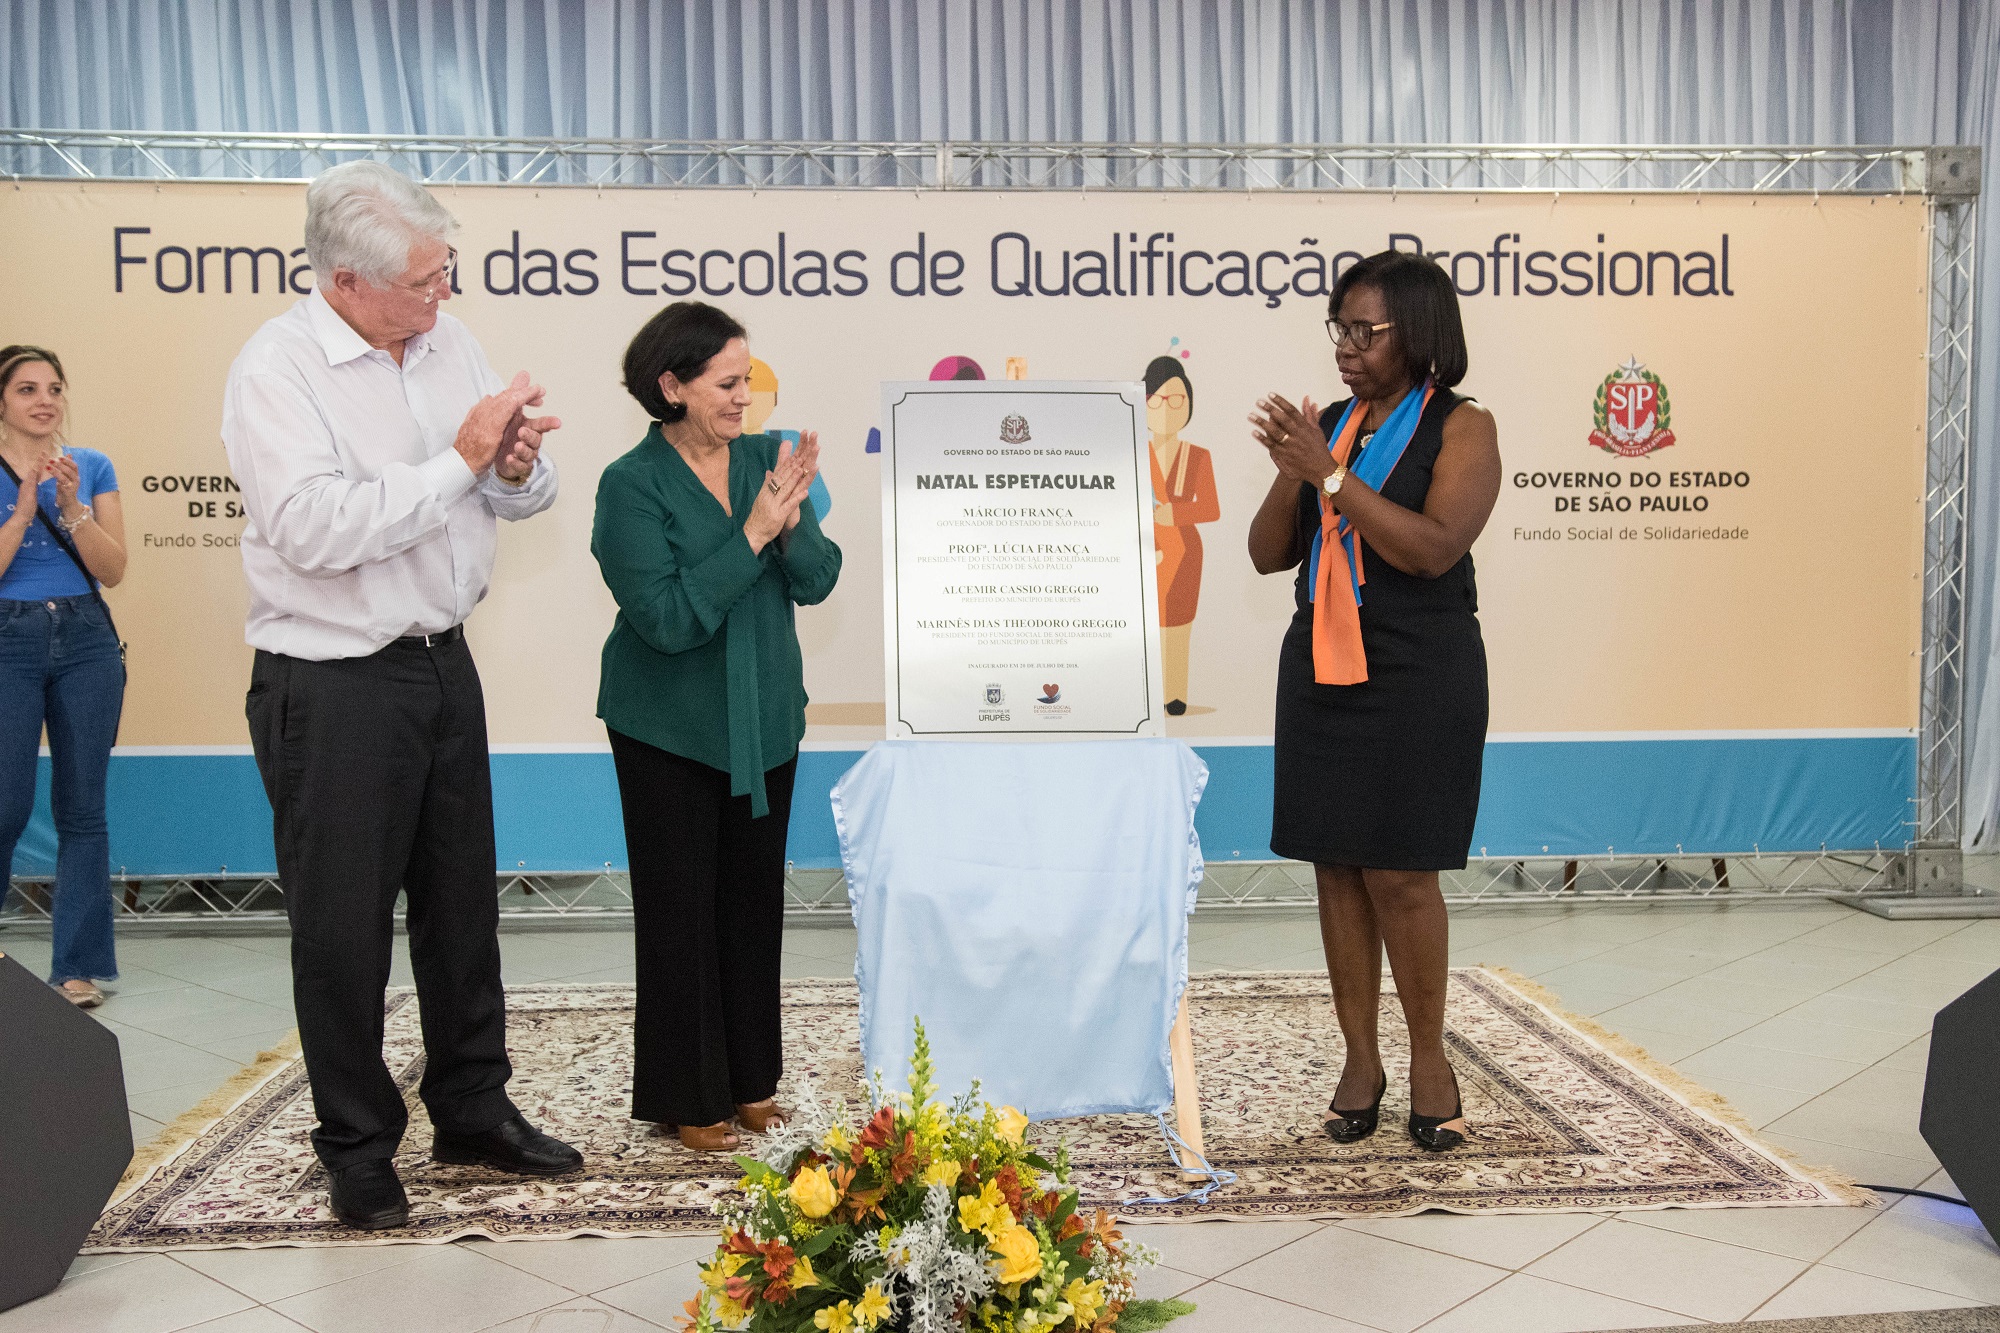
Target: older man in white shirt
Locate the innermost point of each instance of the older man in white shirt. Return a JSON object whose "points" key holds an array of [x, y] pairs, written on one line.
{"points": [[375, 448]]}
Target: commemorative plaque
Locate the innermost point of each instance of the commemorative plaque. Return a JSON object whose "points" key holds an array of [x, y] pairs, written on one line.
{"points": [[1019, 597]]}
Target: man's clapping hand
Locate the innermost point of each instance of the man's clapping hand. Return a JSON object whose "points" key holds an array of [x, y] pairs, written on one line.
{"points": [[497, 433]]}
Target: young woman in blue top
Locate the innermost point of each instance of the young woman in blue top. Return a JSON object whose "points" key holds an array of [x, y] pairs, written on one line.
{"points": [[60, 664]]}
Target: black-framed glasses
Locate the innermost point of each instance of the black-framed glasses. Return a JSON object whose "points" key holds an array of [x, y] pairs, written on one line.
{"points": [[1359, 335]]}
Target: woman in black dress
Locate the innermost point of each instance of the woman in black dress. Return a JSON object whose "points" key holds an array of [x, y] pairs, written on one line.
{"points": [[1381, 717]]}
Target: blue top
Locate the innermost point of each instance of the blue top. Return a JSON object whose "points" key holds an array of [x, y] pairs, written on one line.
{"points": [[40, 569]]}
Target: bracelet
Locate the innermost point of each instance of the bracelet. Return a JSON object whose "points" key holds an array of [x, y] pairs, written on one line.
{"points": [[72, 524]]}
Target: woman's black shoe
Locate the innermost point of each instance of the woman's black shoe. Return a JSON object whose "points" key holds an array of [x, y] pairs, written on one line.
{"points": [[1429, 1130], [1354, 1126], [1430, 1133], [1175, 707]]}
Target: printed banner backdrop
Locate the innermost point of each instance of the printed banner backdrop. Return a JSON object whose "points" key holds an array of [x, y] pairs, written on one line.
{"points": [[1700, 588]]}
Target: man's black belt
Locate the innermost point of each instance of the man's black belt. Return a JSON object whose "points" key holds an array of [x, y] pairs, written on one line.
{"points": [[439, 640]]}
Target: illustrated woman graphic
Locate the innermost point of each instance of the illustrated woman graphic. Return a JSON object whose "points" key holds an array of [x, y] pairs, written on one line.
{"points": [[1183, 496], [763, 402]]}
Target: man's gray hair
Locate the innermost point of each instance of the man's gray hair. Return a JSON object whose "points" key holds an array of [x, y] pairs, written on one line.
{"points": [[365, 216]]}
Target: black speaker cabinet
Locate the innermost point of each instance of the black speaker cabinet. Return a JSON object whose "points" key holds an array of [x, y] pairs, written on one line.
{"points": [[1961, 1088], [65, 1138]]}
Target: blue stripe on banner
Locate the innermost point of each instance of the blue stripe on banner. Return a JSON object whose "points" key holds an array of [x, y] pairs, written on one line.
{"points": [[204, 814]]}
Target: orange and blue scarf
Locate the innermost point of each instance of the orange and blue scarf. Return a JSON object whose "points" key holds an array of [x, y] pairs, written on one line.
{"points": [[1338, 655]]}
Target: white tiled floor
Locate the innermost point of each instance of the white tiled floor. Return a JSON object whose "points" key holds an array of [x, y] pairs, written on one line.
{"points": [[1813, 1020]]}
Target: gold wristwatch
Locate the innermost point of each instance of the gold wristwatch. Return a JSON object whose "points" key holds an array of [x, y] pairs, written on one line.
{"points": [[1332, 483]]}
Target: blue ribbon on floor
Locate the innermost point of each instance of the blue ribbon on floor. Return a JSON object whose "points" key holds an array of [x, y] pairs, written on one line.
{"points": [[1217, 1177]]}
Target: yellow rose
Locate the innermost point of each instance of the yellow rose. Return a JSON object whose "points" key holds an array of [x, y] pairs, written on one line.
{"points": [[812, 1190], [1013, 1125], [835, 1318], [873, 1307], [802, 1275], [944, 1172], [1086, 1301], [1020, 1254]]}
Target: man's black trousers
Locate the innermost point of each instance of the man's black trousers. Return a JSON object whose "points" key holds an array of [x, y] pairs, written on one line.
{"points": [[377, 772]]}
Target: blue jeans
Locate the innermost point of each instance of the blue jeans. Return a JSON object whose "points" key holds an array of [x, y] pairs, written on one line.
{"points": [[59, 665]]}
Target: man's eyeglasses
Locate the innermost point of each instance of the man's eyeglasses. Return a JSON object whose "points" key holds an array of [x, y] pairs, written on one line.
{"points": [[427, 287], [1359, 335]]}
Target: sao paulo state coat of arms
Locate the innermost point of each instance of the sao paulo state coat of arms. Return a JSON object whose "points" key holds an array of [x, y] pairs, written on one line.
{"points": [[1631, 412]]}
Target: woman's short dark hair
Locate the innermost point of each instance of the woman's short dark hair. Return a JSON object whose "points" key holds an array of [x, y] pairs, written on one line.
{"points": [[13, 357], [682, 339], [1423, 305], [1163, 368]]}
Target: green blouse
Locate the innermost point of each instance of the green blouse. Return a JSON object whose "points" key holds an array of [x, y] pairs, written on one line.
{"points": [[703, 661]]}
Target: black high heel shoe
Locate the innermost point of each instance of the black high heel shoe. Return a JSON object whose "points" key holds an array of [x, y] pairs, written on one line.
{"points": [[1429, 1131], [1354, 1126]]}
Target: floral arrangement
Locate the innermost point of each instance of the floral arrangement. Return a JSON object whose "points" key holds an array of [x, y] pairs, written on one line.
{"points": [[926, 1218]]}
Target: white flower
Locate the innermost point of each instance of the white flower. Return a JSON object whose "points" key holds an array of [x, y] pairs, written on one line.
{"points": [[938, 1275]]}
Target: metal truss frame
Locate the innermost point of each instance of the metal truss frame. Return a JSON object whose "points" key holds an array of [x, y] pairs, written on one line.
{"points": [[774, 164], [1947, 178], [257, 901]]}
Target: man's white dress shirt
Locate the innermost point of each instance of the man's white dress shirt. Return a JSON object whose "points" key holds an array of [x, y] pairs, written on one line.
{"points": [[364, 523]]}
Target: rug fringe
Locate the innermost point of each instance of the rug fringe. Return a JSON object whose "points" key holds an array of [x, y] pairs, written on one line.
{"points": [[1841, 1185], [172, 1140]]}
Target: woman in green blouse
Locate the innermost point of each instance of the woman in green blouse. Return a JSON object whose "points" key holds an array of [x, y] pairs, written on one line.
{"points": [[706, 540]]}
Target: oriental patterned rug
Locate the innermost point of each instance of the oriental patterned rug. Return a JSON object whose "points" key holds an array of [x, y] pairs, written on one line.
{"points": [[1565, 1116]]}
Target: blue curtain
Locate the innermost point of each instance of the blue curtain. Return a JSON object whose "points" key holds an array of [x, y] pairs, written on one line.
{"points": [[1178, 71]]}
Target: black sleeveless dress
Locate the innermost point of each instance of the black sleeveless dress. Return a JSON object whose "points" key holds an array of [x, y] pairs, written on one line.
{"points": [[1385, 774]]}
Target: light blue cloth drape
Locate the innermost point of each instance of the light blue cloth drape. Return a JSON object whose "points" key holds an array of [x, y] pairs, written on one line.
{"points": [[1029, 903], [1209, 71]]}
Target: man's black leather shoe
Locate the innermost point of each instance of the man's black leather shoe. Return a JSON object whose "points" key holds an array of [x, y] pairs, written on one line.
{"points": [[368, 1197], [513, 1145]]}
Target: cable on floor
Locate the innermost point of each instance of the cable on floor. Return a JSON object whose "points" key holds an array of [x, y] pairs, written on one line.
{"points": [[1917, 1194]]}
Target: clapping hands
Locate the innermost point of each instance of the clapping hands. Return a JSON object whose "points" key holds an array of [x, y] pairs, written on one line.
{"points": [[498, 434], [785, 488], [1292, 437]]}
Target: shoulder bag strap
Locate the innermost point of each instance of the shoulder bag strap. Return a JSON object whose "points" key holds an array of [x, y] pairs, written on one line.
{"points": [[68, 545]]}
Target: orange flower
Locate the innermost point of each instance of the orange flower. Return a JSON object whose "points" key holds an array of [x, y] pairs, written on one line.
{"points": [[876, 1135], [905, 1164], [860, 1205], [1009, 1181], [1102, 1228], [778, 1259]]}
